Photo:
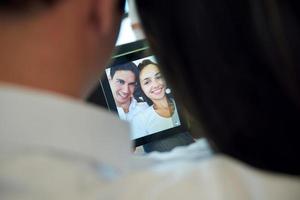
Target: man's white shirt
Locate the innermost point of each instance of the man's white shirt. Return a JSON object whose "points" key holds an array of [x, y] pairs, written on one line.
{"points": [[134, 109], [53, 147]]}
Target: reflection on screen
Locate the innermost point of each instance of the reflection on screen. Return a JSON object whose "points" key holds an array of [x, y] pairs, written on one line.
{"points": [[142, 97], [126, 34], [130, 30]]}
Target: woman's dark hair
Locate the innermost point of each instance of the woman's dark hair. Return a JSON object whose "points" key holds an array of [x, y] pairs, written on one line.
{"points": [[235, 67], [146, 62]]}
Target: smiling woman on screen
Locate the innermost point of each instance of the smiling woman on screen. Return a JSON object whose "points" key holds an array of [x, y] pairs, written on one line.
{"points": [[162, 113]]}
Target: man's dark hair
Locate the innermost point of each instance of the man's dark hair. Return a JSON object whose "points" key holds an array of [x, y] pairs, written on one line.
{"points": [[235, 66], [16, 6], [130, 66]]}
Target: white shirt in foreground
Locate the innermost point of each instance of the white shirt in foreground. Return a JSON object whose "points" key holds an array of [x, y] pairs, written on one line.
{"points": [[214, 178], [55, 148]]}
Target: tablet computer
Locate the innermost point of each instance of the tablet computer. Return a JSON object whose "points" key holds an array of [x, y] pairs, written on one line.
{"points": [[136, 90]]}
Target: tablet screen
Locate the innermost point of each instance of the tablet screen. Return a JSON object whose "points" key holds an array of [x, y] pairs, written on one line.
{"points": [[142, 97], [137, 91]]}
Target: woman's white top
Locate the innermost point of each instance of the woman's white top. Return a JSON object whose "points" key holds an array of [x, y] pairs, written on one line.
{"points": [[149, 122]]}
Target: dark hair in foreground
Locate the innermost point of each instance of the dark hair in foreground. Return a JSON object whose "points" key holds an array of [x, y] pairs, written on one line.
{"points": [[130, 66], [23, 6], [235, 67]]}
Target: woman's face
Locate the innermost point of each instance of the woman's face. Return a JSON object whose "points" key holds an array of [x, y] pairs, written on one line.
{"points": [[152, 82]]}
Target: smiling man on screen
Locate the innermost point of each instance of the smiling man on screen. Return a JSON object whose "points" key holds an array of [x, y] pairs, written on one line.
{"points": [[123, 82]]}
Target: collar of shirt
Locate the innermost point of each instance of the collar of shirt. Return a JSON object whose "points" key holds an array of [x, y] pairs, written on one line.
{"points": [[126, 116], [132, 104], [32, 119]]}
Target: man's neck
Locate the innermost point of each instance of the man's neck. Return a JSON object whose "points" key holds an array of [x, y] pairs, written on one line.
{"points": [[125, 106]]}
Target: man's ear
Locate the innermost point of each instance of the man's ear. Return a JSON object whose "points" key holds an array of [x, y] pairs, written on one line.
{"points": [[108, 15]]}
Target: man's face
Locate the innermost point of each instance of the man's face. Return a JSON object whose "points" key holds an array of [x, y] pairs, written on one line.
{"points": [[123, 85]]}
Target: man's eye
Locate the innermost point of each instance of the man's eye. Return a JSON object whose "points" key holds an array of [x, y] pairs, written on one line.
{"points": [[121, 82]]}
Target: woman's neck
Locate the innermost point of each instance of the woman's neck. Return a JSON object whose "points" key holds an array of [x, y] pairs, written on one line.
{"points": [[161, 103], [164, 107]]}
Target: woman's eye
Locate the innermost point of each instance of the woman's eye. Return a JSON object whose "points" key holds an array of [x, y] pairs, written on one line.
{"points": [[158, 77], [146, 82]]}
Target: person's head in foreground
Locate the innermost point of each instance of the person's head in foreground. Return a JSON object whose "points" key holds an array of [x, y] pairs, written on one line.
{"points": [[153, 86], [123, 81], [234, 66], [57, 45]]}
